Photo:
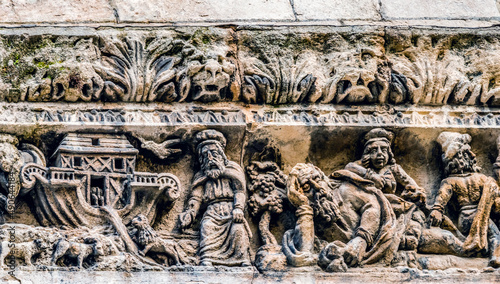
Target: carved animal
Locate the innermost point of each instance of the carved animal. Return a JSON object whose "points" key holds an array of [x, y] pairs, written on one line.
{"points": [[24, 250], [91, 247], [147, 238], [161, 150]]}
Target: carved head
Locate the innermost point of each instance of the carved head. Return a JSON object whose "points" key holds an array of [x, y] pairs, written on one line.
{"points": [[311, 179], [210, 78], [458, 157], [358, 77], [40, 244], [144, 232], [140, 221], [10, 156], [97, 246], [377, 153], [211, 154], [318, 189]]}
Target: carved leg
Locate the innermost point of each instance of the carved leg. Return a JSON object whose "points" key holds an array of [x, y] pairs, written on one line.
{"points": [[413, 231], [183, 258], [439, 241], [80, 259], [494, 243], [27, 259], [146, 249], [170, 249], [175, 255], [61, 248], [56, 256]]}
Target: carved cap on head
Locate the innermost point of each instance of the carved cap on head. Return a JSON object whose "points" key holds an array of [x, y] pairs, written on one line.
{"points": [[210, 136], [378, 134], [7, 138], [452, 142]]}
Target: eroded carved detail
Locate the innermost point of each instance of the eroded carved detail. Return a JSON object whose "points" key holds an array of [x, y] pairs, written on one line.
{"points": [[366, 212], [267, 185], [99, 213], [475, 233], [221, 184], [338, 68], [162, 70]]}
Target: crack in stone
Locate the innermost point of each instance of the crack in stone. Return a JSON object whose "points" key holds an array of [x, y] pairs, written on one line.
{"points": [[115, 10], [293, 10], [380, 10]]}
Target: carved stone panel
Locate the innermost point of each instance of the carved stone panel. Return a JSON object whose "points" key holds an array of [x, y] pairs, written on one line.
{"points": [[323, 152]]}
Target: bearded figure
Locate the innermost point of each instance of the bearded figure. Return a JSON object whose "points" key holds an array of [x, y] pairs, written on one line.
{"points": [[220, 184], [475, 194], [347, 212]]}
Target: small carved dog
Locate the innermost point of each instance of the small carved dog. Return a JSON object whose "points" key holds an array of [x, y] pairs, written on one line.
{"points": [[146, 237], [24, 250], [90, 247]]}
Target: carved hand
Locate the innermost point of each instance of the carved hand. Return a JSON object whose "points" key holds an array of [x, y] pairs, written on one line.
{"points": [[354, 251], [376, 178], [436, 218], [186, 218], [238, 215], [295, 194], [414, 194]]}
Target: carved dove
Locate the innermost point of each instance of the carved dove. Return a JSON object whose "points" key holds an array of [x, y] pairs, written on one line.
{"points": [[161, 150]]}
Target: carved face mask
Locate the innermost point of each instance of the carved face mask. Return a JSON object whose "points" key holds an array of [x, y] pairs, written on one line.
{"points": [[377, 153], [212, 161], [209, 79]]}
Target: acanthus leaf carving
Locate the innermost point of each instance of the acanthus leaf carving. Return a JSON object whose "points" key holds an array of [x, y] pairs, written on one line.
{"points": [[162, 70], [280, 78], [134, 71]]}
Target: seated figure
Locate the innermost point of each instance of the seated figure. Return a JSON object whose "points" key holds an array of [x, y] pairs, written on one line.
{"points": [[475, 194], [407, 198]]}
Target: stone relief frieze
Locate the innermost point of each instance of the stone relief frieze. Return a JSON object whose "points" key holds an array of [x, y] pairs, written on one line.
{"points": [[316, 115], [125, 69], [96, 210], [388, 158], [255, 67]]}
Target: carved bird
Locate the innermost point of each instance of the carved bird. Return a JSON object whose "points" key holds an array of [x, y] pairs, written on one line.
{"points": [[161, 150]]}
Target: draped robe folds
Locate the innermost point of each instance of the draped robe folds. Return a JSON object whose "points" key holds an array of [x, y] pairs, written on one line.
{"points": [[386, 239], [223, 241], [383, 234]]}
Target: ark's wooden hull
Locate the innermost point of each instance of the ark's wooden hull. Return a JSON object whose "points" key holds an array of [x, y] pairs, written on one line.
{"points": [[63, 201]]}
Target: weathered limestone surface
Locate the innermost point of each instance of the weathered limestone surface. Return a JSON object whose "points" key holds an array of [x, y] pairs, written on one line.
{"points": [[45, 11], [450, 13], [203, 11], [352, 10], [448, 9], [249, 141]]}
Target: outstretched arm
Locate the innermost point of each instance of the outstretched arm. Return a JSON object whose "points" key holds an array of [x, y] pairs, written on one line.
{"points": [[444, 195], [304, 227], [188, 216], [412, 192]]}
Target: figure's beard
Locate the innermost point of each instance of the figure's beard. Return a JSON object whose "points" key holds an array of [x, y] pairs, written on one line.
{"points": [[324, 205], [467, 163], [214, 168]]}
